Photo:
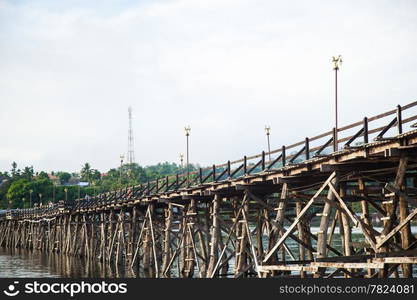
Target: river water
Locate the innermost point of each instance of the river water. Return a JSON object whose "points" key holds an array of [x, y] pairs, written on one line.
{"points": [[23, 263]]}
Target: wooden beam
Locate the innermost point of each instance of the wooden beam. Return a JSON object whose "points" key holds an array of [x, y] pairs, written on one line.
{"points": [[397, 228], [397, 260], [349, 265], [287, 268]]}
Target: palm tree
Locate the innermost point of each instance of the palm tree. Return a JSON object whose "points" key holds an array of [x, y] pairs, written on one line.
{"points": [[86, 172]]}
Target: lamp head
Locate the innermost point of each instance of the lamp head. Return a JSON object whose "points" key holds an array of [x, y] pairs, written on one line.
{"points": [[337, 62], [187, 130]]}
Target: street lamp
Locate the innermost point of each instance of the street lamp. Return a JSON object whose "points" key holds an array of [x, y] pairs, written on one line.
{"points": [[337, 62], [40, 199], [182, 161], [23, 201], [30, 196], [267, 130], [121, 166], [66, 195], [187, 134], [53, 191]]}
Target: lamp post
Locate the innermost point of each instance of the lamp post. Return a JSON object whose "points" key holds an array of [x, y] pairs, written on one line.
{"points": [[66, 195], [267, 130], [182, 162], [337, 61], [40, 198], [53, 191], [187, 134], [30, 198], [121, 166], [23, 201]]}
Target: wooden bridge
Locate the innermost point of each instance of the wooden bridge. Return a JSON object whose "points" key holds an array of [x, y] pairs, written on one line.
{"points": [[271, 214]]}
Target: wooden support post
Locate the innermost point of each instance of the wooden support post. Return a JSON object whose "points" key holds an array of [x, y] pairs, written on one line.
{"points": [[301, 236], [324, 224], [166, 254], [347, 231], [189, 252], [241, 243], [406, 236], [215, 232]]}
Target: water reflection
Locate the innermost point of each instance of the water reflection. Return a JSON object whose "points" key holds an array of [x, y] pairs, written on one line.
{"points": [[33, 263], [25, 263]]}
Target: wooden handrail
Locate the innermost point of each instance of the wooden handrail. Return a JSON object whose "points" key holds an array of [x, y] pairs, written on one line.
{"points": [[317, 137], [147, 189]]}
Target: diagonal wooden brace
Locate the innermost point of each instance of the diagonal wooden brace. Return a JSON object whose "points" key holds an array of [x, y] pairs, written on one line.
{"points": [[397, 228]]}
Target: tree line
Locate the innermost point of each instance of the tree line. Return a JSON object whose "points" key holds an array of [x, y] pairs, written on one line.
{"points": [[23, 188]]}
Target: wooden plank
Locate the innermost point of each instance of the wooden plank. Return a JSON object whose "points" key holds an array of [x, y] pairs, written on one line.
{"points": [[349, 265], [287, 268], [397, 260]]}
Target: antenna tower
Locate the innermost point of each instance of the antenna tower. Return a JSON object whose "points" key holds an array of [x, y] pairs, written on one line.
{"points": [[130, 146]]}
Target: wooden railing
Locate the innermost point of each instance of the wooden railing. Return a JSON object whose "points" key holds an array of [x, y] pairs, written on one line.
{"points": [[255, 164]]}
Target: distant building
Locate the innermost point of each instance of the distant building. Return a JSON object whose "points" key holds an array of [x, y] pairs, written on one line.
{"points": [[53, 178]]}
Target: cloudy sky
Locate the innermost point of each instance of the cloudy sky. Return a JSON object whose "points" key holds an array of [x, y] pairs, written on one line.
{"points": [[70, 69]]}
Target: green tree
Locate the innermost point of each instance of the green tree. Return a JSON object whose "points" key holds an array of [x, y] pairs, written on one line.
{"points": [[14, 170], [28, 173], [63, 177], [86, 172], [42, 175], [17, 191]]}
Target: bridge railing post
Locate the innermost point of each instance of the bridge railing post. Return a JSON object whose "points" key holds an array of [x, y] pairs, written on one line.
{"points": [[365, 130], [228, 169], [214, 173], [245, 165], [263, 160], [334, 140], [283, 156], [200, 175], [307, 148], [399, 120]]}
